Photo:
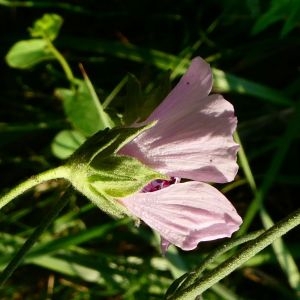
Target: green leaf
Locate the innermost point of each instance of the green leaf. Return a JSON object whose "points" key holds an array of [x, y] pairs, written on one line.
{"points": [[140, 104], [224, 82], [285, 10], [133, 100], [265, 21], [292, 19], [66, 142], [47, 26], [159, 91], [82, 110], [106, 121], [26, 54]]}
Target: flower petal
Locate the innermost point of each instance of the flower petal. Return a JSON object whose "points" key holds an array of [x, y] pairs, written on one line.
{"points": [[195, 84], [198, 145], [185, 214]]}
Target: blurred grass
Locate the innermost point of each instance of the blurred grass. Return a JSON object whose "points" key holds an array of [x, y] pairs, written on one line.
{"points": [[86, 255]]}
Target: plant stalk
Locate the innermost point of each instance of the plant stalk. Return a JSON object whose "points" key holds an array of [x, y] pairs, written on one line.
{"points": [[59, 172], [231, 264]]}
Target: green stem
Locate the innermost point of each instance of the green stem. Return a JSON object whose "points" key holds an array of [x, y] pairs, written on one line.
{"points": [[114, 92], [59, 172], [19, 256], [187, 279], [239, 258], [64, 64], [217, 253]]}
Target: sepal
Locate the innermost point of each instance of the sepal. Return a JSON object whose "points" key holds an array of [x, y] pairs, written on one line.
{"points": [[103, 176], [106, 142], [119, 176]]}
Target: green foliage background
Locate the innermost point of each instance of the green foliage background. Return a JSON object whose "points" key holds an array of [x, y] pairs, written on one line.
{"points": [[253, 47]]}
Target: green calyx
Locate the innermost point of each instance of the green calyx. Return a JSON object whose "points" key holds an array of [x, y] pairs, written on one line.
{"points": [[106, 142], [103, 176]]}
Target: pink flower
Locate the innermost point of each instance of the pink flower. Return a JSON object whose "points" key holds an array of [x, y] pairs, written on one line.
{"points": [[193, 140]]}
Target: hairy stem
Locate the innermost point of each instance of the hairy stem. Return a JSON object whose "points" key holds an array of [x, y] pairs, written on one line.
{"points": [[239, 258], [59, 172]]}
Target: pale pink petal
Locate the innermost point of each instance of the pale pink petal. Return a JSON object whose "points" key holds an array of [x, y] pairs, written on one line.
{"points": [[195, 84], [185, 214], [198, 145]]}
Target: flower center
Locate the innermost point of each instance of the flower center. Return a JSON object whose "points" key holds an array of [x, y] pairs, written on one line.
{"points": [[159, 184]]}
